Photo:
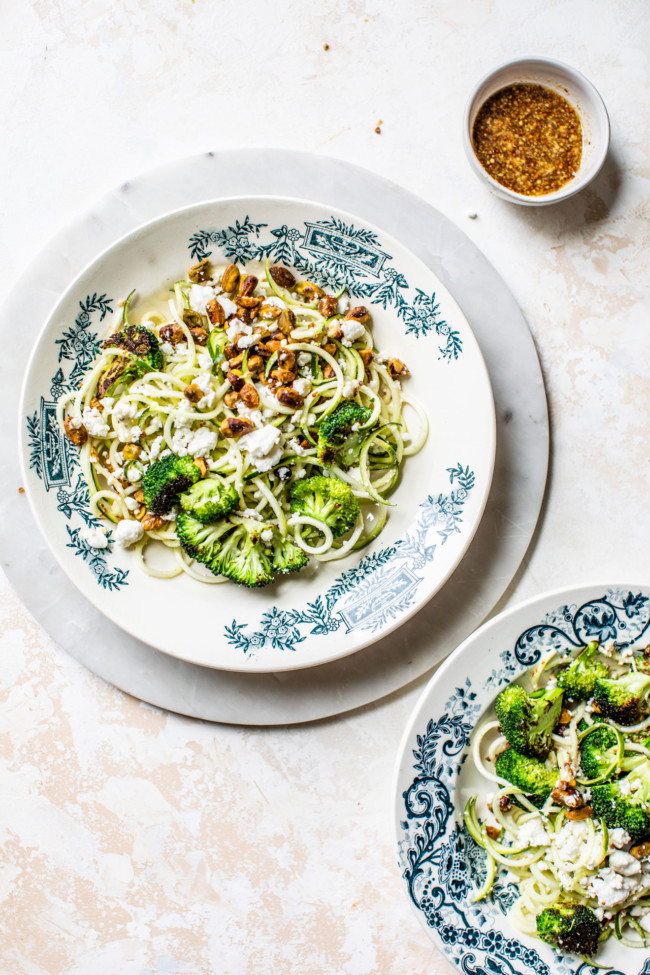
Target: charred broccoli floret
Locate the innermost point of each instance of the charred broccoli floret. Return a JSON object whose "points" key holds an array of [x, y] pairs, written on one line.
{"points": [[337, 427], [201, 542], [244, 558], [527, 720], [326, 499], [145, 356], [600, 751], [578, 679], [140, 342], [535, 779], [571, 927], [210, 499], [165, 479], [626, 802], [287, 556], [623, 699]]}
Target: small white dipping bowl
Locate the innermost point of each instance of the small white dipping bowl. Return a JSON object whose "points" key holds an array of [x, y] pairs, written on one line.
{"points": [[568, 83]]}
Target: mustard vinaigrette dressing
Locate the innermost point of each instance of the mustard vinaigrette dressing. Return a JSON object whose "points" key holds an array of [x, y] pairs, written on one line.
{"points": [[529, 139]]}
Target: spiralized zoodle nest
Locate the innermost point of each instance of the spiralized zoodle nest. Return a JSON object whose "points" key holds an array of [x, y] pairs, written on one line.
{"points": [[562, 852], [270, 356]]}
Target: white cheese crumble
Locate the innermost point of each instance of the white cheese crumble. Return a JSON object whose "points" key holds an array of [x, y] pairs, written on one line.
{"points": [[267, 536], [618, 838], [274, 300], [304, 359], [246, 341], [199, 296], [302, 386], [125, 410], [155, 447], [236, 328], [95, 423], [94, 537], [127, 532], [624, 863], [196, 443], [351, 332], [350, 388], [154, 426], [229, 307], [264, 446], [343, 304], [532, 833], [611, 888], [204, 360], [74, 422], [132, 504]]}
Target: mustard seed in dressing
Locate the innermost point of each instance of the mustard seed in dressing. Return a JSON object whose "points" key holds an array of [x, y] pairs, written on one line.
{"points": [[528, 138]]}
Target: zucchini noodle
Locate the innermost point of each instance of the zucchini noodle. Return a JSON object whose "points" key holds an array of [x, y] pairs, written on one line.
{"points": [[300, 355], [559, 852]]}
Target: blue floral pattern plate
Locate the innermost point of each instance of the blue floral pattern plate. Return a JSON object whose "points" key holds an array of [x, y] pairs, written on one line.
{"points": [[330, 610], [440, 864]]}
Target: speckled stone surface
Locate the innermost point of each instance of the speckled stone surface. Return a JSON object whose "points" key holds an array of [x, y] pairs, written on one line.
{"points": [[136, 841]]}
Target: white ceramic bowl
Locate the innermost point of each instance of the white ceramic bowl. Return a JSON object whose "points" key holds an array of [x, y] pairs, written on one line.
{"points": [[327, 611], [579, 92]]}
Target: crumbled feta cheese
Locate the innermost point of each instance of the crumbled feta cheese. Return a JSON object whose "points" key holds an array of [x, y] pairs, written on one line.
{"points": [[155, 425], [304, 359], [107, 402], [132, 504], [134, 474], [267, 536], [302, 386], [350, 388], [94, 422], [611, 888], [255, 416], [283, 473], [351, 332], [167, 349], [246, 341], [274, 300], [300, 473], [532, 833], [618, 838], [236, 327], [625, 786], [199, 296], [264, 446], [624, 863], [343, 304], [127, 532], [229, 307], [154, 449], [196, 443], [570, 839], [204, 360], [94, 537], [645, 921], [74, 422], [125, 410], [294, 446]]}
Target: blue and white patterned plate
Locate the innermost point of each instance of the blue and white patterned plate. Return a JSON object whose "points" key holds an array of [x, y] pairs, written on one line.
{"points": [[339, 607], [440, 864]]}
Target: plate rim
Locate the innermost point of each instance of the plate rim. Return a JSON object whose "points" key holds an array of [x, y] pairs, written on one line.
{"points": [[285, 663]]}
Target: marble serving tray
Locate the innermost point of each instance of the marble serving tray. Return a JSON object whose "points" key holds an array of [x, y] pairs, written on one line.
{"points": [[513, 505]]}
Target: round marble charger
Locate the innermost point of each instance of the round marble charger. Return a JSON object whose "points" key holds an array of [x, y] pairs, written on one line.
{"points": [[496, 550]]}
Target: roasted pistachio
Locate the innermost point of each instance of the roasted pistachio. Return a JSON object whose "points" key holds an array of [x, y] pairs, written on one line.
{"points": [[202, 465], [584, 812], [309, 290], [283, 375], [367, 355], [215, 311], [230, 278], [397, 368], [249, 395], [193, 393], [358, 314], [255, 363], [328, 306], [230, 398], [193, 319], [131, 451], [235, 379], [75, 434], [247, 286], [200, 272], [152, 523], [269, 311], [172, 334], [282, 277], [289, 396], [286, 321], [236, 426]]}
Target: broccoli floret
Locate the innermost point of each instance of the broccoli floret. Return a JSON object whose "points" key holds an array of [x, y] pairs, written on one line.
{"points": [[287, 556], [210, 499], [140, 342], [598, 752], [244, 558], [578, 679], [571, 927], [337, 427], [626, 802], [623, 699], [528, 720], [327, 499], [201, 542], [535, 779], [165, 479]]}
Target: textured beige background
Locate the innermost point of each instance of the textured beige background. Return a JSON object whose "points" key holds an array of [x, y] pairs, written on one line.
{"points": [[136, 842]]}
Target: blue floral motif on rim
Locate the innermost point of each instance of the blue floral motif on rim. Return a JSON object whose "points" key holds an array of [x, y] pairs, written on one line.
{"points": [[336, 255], [440, 862], [54, 458]]}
